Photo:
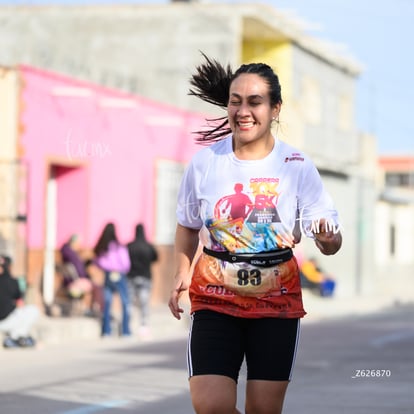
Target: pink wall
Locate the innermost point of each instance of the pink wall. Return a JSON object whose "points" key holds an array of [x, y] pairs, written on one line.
{"points": [[72, 202], [103, 145]]}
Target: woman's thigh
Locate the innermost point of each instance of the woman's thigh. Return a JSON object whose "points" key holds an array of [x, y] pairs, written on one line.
{"points": [[270, 357], [215, 354], [216, 345], [271, 348]]}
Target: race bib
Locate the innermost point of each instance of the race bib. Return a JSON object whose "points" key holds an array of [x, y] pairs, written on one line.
{"points": [[247, 280], [241, 278]]}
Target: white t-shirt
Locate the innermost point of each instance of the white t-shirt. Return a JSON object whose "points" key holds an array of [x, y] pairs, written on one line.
{"points": [[249, 206]]}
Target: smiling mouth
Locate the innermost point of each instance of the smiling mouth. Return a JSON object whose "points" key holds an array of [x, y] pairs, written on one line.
{"points": [[245, 126]]}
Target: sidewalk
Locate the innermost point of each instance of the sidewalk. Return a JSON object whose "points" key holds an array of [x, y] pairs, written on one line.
{"points": [[57, 330], [64, 330], [319, 308]]}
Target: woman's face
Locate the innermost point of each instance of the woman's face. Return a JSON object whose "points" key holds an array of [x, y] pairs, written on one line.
{"points": [[249, 110]]}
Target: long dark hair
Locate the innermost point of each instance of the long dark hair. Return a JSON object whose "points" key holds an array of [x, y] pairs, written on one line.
{"points": [[108, 234], [211, 83]]}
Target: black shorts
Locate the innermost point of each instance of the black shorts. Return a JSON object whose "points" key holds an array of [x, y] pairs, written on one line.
{"points": [[218, 344]]}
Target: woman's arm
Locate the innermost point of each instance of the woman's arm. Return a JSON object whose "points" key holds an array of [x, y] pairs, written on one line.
{"points": [[186, 244]]}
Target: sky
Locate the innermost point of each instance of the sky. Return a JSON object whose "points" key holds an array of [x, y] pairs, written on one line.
{"points": [[378, 34]]}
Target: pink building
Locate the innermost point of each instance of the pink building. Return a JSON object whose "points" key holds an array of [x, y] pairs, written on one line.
{"points": [[95, 155]]}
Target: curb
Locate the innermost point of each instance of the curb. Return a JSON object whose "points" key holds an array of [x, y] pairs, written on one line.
{"points": [[163, 326]]}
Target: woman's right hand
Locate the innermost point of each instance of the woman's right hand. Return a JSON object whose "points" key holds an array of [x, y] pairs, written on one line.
{"points": [[186, 243], [176, 293]]}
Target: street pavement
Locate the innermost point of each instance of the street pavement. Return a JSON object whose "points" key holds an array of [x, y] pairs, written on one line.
{"points": [[356, 365], [360, 362]]}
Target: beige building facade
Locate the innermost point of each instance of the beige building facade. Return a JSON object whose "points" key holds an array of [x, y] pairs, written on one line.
{"points": [[12, 174]]}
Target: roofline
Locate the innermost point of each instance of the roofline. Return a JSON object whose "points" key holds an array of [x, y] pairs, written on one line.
{"points": [[275, 19]]}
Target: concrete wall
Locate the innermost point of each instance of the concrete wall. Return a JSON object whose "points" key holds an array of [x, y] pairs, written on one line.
{"points": [[150, 50], [327, 133], [147, 50], [12, 173], [323, 100], [9, 107]]}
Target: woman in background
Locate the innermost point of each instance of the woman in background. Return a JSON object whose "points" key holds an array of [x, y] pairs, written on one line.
{"points": [[112, 257]]}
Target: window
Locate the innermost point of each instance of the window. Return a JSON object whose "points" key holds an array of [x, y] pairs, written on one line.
{"points": [[393, 179]]}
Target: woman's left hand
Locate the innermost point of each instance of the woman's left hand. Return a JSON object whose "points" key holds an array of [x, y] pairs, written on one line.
{"points": [[328, 239]]}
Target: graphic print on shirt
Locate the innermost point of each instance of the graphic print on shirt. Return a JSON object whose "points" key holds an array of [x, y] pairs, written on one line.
{"points": [[248, 221], [265, 199]]}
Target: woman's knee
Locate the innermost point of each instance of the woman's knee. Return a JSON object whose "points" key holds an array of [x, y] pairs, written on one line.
{"points": [[213, 394], [265, 397]]}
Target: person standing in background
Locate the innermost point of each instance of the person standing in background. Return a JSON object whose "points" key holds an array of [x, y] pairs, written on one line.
{"points": [[16, 318], [112, 257], [142, 254]]}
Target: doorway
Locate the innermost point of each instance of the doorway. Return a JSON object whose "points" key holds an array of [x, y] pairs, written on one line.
{"points": [[65, 214]]}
